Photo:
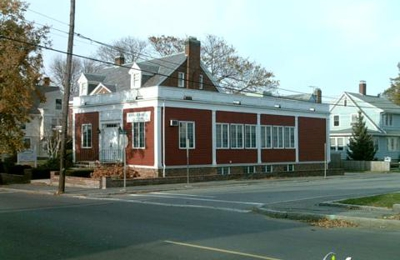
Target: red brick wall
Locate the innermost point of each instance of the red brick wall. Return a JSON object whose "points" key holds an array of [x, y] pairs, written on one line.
{"points": [[277, 120], [87, 154], [140, 156], [202, 154], [278, 155], [312, 137]]}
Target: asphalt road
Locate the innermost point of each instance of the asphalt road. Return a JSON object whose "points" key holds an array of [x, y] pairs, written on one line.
{"points": [[206, 223]]}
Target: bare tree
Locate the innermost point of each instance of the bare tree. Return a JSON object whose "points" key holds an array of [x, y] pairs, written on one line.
{"points": [[131, 48]]}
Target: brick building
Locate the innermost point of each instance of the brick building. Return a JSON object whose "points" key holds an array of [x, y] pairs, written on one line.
{"points": [[175, 118]]}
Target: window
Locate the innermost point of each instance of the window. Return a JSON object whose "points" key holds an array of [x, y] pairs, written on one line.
{"points": [[335, 120], [277, 136], [58, 104], [387, 120], [289, 137], [86, 135], [250, 136], [289, 168], [249, 169], [222, 135], [136, 78], [267, 168], [27, 143], [23, 126], [201, 79], [354, 118], [236, 136], [376, 143], [266, 136], [223, 170], [393, 144], [138, 134], [337, 143], [181, 79], [186, 135]]}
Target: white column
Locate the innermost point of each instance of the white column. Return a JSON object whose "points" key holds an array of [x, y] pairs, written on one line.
{"points": [[157, 137], [214, 137], [296, 137], [258, 138]]}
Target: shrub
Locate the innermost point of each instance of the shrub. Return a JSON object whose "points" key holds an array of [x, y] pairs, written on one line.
{"points": [[40, 173], [114, 170], [85, 173]]}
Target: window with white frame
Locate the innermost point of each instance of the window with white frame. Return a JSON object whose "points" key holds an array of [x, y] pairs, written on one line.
{"points": [[289, 137], [289, 168], [201, 79], [250, 136], [58, 104], [186, 135], [387, 119], [336, 120], [236, 136], [136, 79], [266, 136], [277, 136], [267, 168], [333, 143], [337, 143], [86, 135], [340, 143], [222, 135], [27, 143], [138, 133], [376, 143], [392, 144], [354, 119], [181, 79], [223, 170], [249, 169]]}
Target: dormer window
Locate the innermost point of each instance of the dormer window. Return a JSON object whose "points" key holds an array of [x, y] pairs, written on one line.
{"points": [[201, 82], [387, 120], [83, 89], [136, 79], [181, 79]]}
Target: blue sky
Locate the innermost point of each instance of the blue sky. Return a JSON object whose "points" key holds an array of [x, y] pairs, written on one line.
{"points": [[330, 44]]}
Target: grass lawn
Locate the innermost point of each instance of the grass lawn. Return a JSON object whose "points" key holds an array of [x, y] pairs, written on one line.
{"points": [[384, 200]]}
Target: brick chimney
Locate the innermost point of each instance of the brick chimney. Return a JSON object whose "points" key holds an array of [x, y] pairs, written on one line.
{"points": [[46, 81], [119, 60], [318, 95], [362, 87], [192, 51]]}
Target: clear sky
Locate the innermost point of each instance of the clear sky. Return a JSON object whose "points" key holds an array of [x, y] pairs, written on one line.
{"points": [[329, 44]]}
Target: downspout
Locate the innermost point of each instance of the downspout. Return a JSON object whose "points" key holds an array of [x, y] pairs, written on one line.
{"points": [[163, 138]]}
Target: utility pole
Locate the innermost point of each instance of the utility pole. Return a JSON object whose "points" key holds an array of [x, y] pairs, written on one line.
{"points": [[65, 104]]}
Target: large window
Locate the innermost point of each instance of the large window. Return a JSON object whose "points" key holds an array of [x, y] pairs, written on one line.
{"points": [[186, 135], [181, 79], [236, 136], [201, 79], [337, 143], [387, 120], [266, 136], [138, 134], [250, 136], [393, 144], [222, 135], [86, 135], [277, 136], [289, 137]]}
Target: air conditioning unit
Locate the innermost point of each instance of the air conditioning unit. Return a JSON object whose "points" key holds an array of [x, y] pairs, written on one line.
{"points": [[173, 122]]}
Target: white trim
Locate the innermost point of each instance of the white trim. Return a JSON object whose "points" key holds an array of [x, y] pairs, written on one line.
{"points": [[258, 138], [296, 138], [181, 79], [214, 136]]}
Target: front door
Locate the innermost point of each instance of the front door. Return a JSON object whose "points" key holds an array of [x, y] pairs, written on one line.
{"points": [[110, 149]]}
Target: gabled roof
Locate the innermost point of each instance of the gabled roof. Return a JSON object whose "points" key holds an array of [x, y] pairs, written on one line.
{"points": [[162, 68], [380, 102]]}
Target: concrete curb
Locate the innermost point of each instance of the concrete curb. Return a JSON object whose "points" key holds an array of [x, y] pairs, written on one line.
{"points": [[302, 216], [350, 207], [42, 192]]}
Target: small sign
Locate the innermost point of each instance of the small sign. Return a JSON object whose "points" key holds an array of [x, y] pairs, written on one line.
{"points": [[138, 117]]}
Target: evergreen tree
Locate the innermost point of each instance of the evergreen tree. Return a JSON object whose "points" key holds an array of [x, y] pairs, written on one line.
{"points": [[361, 146]]}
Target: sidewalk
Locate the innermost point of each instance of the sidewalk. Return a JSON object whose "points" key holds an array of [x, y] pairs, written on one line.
{"points": [[308, 210]]}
